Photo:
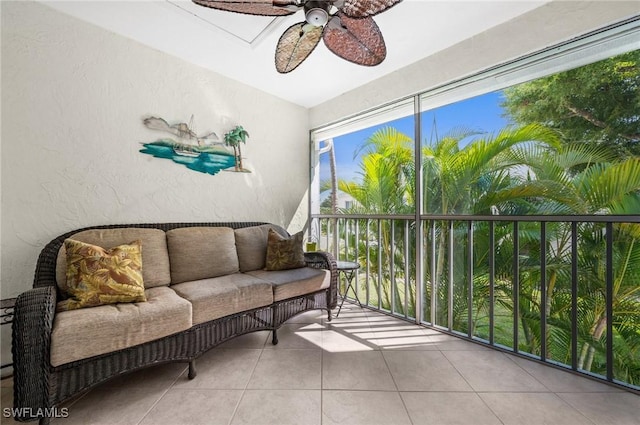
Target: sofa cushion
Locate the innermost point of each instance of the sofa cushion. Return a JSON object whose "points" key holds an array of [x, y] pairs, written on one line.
{"points": [[251, 243], [83, 333], [284, 253], [155, 258], [221, 296], [201, 252], [98, 276], [294, 282]]}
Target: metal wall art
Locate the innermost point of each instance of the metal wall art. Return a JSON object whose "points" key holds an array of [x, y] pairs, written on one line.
{"points": [[204, 153]]}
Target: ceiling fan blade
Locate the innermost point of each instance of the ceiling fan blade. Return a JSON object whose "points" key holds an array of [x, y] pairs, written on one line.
{"points": [[365, 8], [356, 40], [297, 42], [253, 7]]}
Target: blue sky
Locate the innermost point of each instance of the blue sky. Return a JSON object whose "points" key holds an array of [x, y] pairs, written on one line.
{"points": [[481, 113]]}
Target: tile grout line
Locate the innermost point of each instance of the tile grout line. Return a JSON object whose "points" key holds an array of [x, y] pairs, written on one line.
{"points": [[574, 408], [549, 390], [470, 386], [246, 385], [512, 360], [164, 393], [404, 405]]}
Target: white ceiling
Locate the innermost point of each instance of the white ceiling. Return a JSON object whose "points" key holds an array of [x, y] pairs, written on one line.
{"points": [[242, 46]]}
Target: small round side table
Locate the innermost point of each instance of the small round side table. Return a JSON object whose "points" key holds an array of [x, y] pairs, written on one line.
{"points": [[348, 270]]}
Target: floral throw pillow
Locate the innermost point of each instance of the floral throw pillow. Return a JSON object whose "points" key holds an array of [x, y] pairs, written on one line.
{"points": [[284, 253], [97, 276]]}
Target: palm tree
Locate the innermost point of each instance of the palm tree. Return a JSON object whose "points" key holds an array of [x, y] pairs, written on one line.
{"points": [[386, 172], [518, 171], [478, 178], [386, 186], [334, 178], [332, 184], [456, 180], [585, 180], [234, 138]]}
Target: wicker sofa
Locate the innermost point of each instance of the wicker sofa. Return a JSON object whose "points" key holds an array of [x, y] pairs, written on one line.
{"points": [[204, 284]]}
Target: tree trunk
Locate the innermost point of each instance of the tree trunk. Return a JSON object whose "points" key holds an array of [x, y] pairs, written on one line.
{"points": [[240, 158], [597, 334], [553, 276], [235, 157], [334, 180], [587, 353]]}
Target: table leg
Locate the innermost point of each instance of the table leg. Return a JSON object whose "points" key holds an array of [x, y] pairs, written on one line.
{"points": [[349, 277]]}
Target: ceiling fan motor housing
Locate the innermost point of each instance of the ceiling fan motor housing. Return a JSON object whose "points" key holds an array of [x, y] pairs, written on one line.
{"points": [[317, 12]]}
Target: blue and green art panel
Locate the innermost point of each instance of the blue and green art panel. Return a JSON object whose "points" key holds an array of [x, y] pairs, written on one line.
{"points": [[204, 153], [208, 160]]}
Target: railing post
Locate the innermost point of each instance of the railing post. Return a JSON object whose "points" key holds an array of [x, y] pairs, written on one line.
{"points": [[347, 234], [434, 283], [336, 238], [407, 288], [356, 287], [492, 281], [450, 291], [368, 269], [516, 284], [609, 300], [543, 291], [379, 264], [470, 279], [574, 295], [392, 266], [419, 207]]}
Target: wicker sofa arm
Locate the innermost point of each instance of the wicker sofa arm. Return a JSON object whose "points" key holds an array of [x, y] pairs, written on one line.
{"points": [[33, 320], [325, 260]]}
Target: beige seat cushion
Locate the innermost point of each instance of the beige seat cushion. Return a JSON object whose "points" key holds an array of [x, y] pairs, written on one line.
{"points": [[201, 252], [221, 296], [251, 244], [88, 332], [294, 282], [155, 258]]}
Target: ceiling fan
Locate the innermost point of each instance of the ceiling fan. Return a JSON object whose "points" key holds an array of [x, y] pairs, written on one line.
{"points": [[346, 26]]}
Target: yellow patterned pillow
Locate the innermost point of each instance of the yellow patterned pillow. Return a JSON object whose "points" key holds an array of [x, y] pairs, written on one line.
{"points": [[97, 276], [284, 253]]}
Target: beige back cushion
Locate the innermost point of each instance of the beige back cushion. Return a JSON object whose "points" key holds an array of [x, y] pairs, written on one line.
{"points": [[251, 243], [201, 252], [155, 258]]}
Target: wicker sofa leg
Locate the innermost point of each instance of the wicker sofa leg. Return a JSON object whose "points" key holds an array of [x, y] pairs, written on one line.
{"points": [[192, 369], [274, 340]]}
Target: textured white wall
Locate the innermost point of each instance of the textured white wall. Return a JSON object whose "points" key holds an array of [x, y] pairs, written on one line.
{"points": [[552, 23], [73, 99]]}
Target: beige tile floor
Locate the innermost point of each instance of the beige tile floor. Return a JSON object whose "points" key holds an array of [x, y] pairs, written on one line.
{"points": [[362, 368]]}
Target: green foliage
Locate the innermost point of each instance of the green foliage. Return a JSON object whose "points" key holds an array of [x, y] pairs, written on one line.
{"points": [[487, 177], [479, 178], [598, 103], [387, 175], [236, 136], [575, 152]]}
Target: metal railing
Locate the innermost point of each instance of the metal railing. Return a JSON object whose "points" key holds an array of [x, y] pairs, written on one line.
{"points": [[564, 290]]}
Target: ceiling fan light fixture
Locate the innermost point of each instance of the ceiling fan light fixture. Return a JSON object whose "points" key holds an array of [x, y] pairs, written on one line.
{"points": [[317, 16]]}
